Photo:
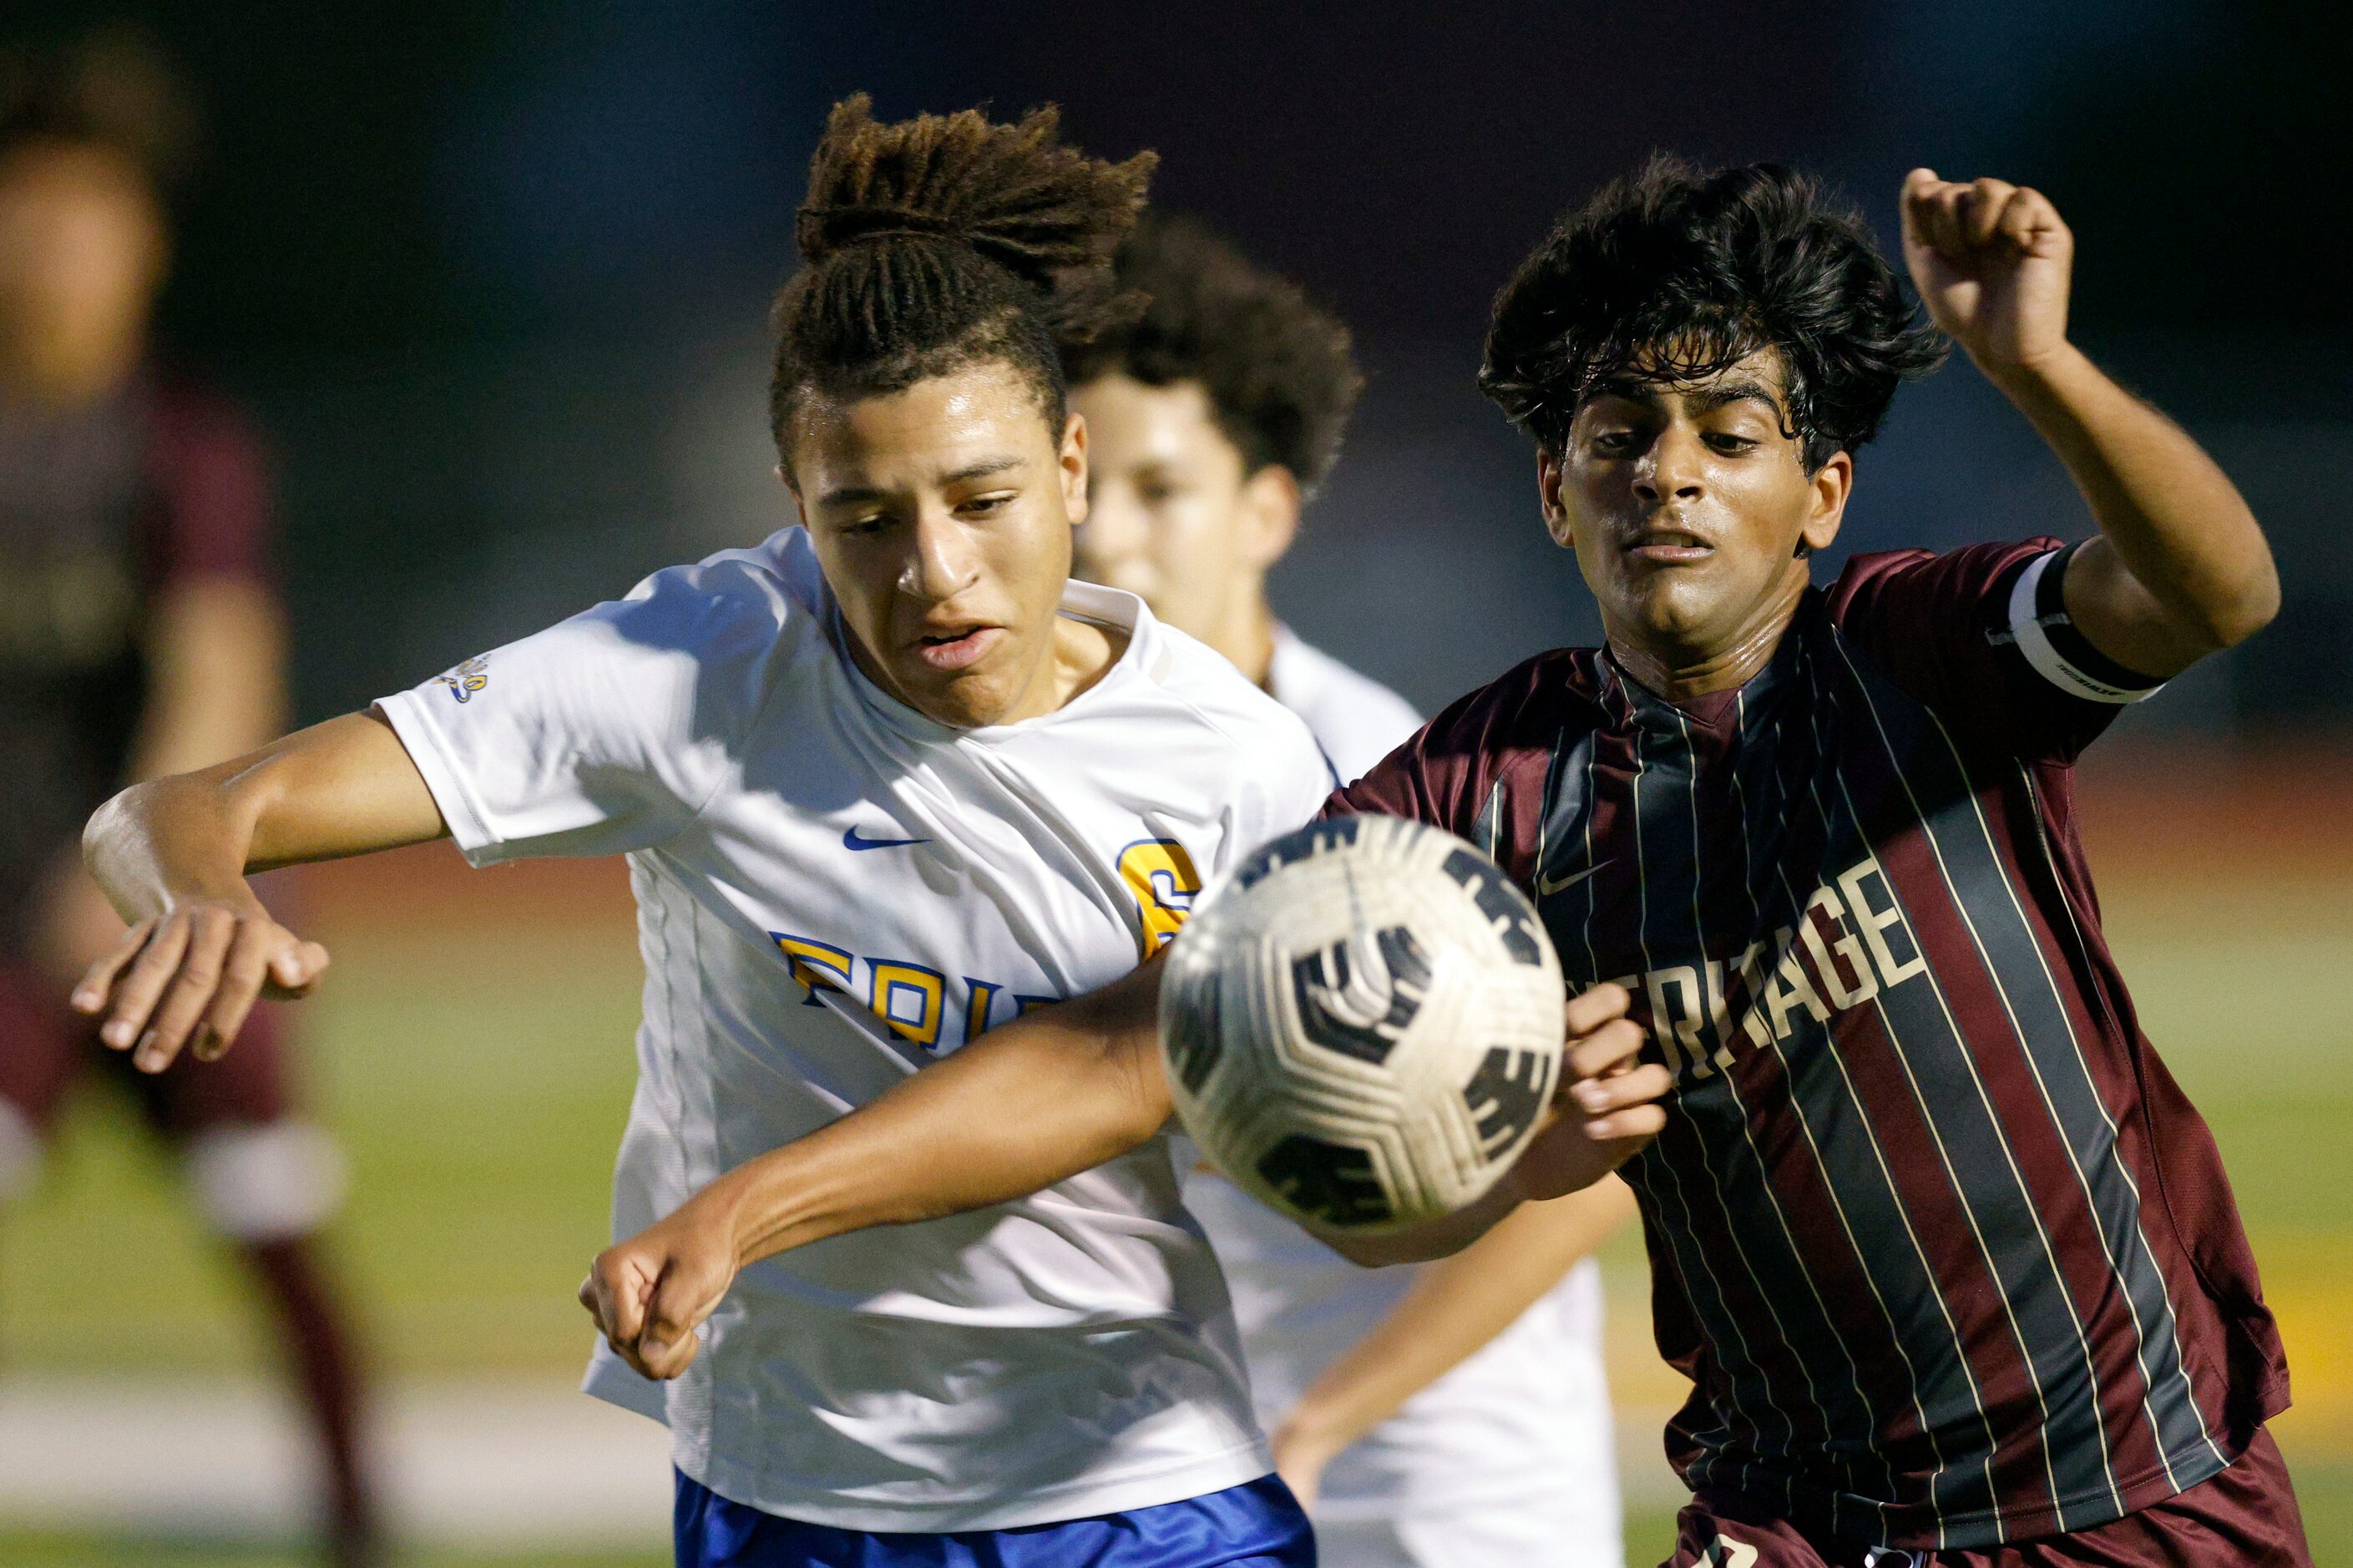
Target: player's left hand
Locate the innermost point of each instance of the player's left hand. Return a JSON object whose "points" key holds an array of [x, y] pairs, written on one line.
{"points": [[1606, 1108], [650, 1293], [1992, 262]]}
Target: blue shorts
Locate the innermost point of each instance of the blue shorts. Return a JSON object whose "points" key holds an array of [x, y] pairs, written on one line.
{"points": [[1255, 1525]]}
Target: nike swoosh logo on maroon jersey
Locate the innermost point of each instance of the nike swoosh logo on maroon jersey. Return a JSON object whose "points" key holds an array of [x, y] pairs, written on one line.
{"points": [[1548, 886]]}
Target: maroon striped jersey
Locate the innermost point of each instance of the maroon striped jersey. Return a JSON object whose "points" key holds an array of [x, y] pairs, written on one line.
{"points": [[1947, 1256]]}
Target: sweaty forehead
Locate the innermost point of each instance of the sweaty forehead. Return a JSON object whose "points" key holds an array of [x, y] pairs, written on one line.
{"points": [[937, 431], [1653, 381]]}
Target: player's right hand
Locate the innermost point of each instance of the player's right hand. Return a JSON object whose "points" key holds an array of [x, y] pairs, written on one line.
{"points": [[1606, 1108], [650, 1293], [189, 976]]}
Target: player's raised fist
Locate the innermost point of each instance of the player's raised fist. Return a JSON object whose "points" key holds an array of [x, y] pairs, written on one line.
{"points": [[1991, 261]]}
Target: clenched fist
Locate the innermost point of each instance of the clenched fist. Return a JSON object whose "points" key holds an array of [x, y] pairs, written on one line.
{"points": [[650, 1293], [1991, 261]]}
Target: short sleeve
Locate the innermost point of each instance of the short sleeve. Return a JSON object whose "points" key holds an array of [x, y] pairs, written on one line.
{"points": [[606, 732], [1423, 779], [211, 485], [1278, 793], [1981, 636], [1456, 771]]}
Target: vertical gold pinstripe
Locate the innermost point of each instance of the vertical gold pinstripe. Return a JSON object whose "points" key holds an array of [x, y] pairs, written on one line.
{"points": [[2108, 1243], [1723, 1311], [1894, 1194], [1977, 1080], [1731, 1226]]}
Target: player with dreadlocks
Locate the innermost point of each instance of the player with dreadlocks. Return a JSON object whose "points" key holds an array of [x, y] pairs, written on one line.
{"points": [[885, 781]]}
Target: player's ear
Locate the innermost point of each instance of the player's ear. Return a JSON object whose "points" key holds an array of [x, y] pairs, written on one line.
{"points": [[1830, 485], [1550, 473], [1073, 461], [1270, 507]]}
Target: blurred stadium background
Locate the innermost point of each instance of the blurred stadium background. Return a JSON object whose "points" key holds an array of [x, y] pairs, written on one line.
{"points": [[491, 275]]}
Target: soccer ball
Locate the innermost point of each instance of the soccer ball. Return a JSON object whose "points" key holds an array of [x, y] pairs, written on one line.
{"points": [[1362, 1024]]}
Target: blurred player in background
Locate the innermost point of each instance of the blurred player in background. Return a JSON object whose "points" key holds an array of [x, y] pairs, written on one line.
{"points": [[1456, 1412], [139, 636]]}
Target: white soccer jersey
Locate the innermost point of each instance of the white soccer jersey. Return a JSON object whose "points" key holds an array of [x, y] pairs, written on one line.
{"points": [[811, 859], [1518, 1437]]}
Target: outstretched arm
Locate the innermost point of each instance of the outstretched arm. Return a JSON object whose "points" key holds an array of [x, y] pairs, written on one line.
{"points": [[2181, 568], [1027, 1105], [1448, 1313], [172, 855]]}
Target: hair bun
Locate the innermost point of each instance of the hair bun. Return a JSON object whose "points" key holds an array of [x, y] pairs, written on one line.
{"points": [[1044, 211], [820, 229]]}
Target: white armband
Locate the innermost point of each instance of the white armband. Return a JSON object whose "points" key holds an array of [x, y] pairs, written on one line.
{"points": [[2058, 653]]}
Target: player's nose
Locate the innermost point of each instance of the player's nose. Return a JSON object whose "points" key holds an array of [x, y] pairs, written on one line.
{"points": [[1674, 468], [942, 560]]}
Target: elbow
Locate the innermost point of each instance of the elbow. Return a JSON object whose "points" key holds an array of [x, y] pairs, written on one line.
{"points": [[2252, 603], [2224, 615], [2253, 610], [2228, 620]]}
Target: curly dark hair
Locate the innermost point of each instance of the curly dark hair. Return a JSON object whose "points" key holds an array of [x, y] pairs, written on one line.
{"points": [[1279, 372], [1674, 273], [941, 241]]}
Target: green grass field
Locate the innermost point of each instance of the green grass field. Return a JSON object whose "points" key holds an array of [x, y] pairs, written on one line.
{"points": [[479, 1084]]}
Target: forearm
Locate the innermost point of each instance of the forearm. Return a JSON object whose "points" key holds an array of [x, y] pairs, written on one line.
{"points": [[341, 788], [1442, 1238], [1027, 1105], [1454, 1308], [2173, 518]]}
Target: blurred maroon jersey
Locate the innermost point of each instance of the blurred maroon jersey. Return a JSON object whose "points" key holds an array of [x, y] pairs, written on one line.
{"points": [[102, 507]]}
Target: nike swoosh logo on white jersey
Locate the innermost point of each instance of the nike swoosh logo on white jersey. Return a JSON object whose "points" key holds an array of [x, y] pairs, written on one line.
{"points": [[849, 840], [1548, 886]]}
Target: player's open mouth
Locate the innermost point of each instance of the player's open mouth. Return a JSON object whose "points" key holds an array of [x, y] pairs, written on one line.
{"points": [[957, 650], [1669, 546]]}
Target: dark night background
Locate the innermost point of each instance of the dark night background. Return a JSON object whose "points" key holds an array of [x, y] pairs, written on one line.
{"points": [[493, 275]]}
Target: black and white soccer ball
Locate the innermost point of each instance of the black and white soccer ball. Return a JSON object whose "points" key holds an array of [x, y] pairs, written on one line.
{"points": [[1362, 1024]]}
